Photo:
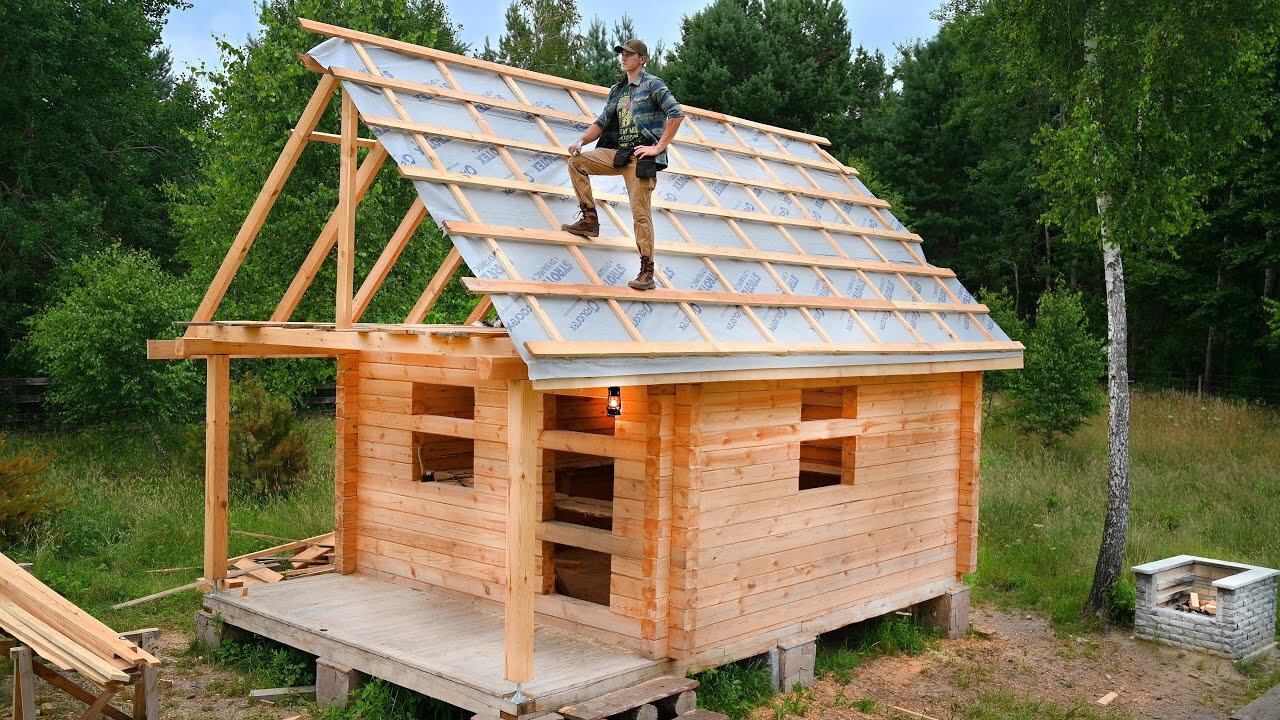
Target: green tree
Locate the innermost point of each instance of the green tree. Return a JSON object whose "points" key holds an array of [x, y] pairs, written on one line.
{"points": [[1002, 311], [262, 89], [541, 36], [268, 455], [724, 61], [26, 495], [92, 340], [92, 124], [597, 59], [1145, 101], [782, 62], [1057, 392], [848, 127], [918, 148]]}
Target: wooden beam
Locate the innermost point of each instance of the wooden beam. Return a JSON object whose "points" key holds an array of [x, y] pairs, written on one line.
{"points": [[97, 706], [585, 443], [523, 409], [453, 227], [618, 292], [434, 425], [555, 81], [347, 212], [198, 347], [320, 249], [481, 309], [390, 254], [64, 684], [428, 340], [590, 538], [331, 139], [216, 471], [266, 198], [570, 349], [448, 267]]}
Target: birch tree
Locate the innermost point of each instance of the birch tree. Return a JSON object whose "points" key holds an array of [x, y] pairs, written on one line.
{"points": [[1151, 92]]}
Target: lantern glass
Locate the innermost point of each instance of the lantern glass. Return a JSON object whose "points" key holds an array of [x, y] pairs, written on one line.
{"points": [[614, 407]]}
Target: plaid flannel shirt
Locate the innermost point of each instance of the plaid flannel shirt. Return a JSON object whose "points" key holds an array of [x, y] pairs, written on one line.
{"points": [[652, 104]]}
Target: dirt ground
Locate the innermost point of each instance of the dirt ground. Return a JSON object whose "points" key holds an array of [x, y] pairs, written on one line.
{"points": [[1020, 655]]}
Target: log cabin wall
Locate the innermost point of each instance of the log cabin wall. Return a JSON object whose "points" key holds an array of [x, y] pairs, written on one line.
{"points": [[757, 558], [403, 416], [715, 550], [448, 532]]}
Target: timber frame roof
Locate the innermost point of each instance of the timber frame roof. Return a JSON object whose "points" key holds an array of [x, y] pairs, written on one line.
{"points": [[770, 253]]}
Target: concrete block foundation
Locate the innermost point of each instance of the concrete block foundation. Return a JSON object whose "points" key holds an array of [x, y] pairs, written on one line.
{"points": [[334, 682], [948, 612], [792, 662]]}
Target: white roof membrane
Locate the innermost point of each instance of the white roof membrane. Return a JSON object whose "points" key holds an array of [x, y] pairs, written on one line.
{"points": [[770, 254]]}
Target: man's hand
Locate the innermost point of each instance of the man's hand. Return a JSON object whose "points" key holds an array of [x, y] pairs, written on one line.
{"points": [[647, 151], [575, 148]]}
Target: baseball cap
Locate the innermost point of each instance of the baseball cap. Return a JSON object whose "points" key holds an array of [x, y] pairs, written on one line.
{"points": [[633, 45]]}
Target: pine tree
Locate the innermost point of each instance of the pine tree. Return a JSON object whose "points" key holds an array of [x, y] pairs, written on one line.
{"points": [[540, 36], [26, 497], [1057, 390]]}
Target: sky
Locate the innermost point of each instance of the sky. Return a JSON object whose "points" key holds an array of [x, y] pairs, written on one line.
{"points": [[875, 23]]}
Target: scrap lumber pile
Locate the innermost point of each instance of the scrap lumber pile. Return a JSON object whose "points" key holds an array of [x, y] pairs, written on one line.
{"points": [[297, 558], [312, 556], [64, 635]]}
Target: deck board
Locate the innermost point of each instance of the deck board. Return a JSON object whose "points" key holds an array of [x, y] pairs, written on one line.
{"points": [[439, 645]]}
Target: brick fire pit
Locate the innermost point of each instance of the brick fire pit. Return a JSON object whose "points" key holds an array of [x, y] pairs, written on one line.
{"points": [[1240, 621]]}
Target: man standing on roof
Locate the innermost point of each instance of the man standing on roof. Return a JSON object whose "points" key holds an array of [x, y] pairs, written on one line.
{"points": [[639, 120]]}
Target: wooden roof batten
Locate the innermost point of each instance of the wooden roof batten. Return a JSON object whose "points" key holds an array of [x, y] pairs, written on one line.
{"points": [[821, 193]]}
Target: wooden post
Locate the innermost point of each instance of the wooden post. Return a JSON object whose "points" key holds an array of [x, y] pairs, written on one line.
{"points": [[24, 693], [217, 441], [523, 474], [849, 445], [146, 697], [660, 422], [346, 414], [970, 463], [346, 211]]}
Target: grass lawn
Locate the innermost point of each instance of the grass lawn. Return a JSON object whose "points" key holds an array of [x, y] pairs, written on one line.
{"points": [[1206, 481], [138, 505]]}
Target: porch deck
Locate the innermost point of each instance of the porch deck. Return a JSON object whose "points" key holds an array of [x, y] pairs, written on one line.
{"points": [[444, 647]]}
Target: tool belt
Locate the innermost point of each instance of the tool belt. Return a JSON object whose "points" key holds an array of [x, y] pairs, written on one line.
{"points": [[646, 167]]}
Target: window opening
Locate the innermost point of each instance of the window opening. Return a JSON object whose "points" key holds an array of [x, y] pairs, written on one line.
{"points": [[582, 574], [444, 459], [827, 462], [581, 489]]}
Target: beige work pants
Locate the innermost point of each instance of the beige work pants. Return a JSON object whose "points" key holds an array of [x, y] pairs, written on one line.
{"points": [[600, 162]]}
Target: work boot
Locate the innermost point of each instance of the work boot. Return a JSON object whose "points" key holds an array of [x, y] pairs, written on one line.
{"points": [[643, 281], [588, 226]]}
